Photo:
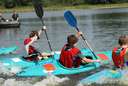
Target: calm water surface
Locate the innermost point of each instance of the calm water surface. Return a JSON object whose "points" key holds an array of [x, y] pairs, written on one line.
{"points": [[100, 27]]}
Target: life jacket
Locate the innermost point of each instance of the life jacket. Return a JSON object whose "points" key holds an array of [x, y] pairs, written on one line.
{"points": [[31, 51], [68, 57], [31, 48], [118, 56]]}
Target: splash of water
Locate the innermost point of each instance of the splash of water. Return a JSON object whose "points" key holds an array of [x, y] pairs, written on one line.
{"points": [[1, 81], [51, 81], [109, 80], [48, 81], [13, 82]]}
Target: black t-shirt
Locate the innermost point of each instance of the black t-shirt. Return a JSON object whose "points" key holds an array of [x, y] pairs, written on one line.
{"points": [[15, 16]]}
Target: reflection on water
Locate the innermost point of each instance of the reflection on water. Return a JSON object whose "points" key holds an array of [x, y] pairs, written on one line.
{"points": [[100, 27]]}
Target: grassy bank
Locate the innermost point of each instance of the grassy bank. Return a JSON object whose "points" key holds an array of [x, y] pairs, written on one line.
{"points": [[60, 7]]}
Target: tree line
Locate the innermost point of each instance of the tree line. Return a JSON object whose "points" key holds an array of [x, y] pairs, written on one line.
{"points": [[13, 3]]}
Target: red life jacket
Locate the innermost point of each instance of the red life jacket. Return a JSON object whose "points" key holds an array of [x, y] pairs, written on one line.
{"points": [[31, 48], [118, 56], [67, 57]]}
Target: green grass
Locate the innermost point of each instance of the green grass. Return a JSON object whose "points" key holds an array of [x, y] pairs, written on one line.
{"points": [[18, 9], [60, 7]]}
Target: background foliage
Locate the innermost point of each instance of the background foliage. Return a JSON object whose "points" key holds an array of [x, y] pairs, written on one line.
{"points": [[14, 3]]}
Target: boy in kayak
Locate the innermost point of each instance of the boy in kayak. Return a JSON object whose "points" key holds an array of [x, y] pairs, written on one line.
{"points": [[33, 53], [120, 53], [70, 55]]}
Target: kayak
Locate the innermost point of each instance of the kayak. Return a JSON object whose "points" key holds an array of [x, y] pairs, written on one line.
{"points": [[52, 65], [8, 50], [104, 74]]}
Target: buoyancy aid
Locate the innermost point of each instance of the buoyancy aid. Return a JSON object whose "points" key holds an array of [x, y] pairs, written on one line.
{"points": [[68, 57], [31, 48], [32, 51], [118, 56]]}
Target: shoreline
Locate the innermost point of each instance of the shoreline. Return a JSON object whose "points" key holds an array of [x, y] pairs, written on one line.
{"points": [[60, 7]]}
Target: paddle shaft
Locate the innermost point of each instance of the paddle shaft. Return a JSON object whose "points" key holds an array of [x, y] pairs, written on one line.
{"points": [[40, 12], [86, 42], [46, 35]]}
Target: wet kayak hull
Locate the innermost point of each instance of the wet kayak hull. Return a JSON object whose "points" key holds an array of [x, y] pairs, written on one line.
{"points": [[52, 65]]}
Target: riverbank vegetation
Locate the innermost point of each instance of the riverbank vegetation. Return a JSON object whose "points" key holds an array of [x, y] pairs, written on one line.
{"points": [[26, 5]]}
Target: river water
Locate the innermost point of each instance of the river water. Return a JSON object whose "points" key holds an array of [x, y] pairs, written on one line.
{"points": [[101, 28]]}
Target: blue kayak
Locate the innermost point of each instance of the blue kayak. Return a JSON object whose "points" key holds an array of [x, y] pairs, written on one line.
{"points": [[8, 50], [106, 73], [52, 65]]}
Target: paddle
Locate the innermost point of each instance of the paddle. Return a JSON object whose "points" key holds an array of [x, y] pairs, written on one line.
{"points": [[70, 18], [40, 13]]}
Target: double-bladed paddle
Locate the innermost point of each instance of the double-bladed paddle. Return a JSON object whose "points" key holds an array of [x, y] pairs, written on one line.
{"points": [[70, 18], [40, 13]]}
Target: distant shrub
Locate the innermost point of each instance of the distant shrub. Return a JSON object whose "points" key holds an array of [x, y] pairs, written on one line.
{"points": [[9, 3]]}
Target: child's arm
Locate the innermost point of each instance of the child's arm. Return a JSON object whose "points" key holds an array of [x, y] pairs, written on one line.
{"points": [[126, 56], [39, 32], [89, 60], [27, 48]]}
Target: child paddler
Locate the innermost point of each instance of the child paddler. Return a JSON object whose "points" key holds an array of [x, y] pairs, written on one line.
{"points": [[32, 52], [70, 55], [120, 53]]}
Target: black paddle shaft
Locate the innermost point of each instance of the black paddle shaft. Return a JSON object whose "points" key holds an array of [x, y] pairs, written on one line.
{"points": [[46, 35], [86, 42], [39, 12]]}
